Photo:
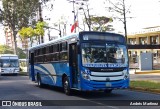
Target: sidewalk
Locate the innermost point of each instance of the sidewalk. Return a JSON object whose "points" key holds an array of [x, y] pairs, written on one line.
{"points": [[137, 71]]}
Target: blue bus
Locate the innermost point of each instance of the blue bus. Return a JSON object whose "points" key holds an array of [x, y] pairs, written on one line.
{"points": [[85, 61]]}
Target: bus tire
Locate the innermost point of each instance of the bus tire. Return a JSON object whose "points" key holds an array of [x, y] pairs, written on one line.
{"points": [[66, 86], [39, 82], [108, 91]]}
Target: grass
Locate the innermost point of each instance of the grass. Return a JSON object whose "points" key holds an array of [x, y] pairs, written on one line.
{"points": [[145, 84], [149, 86]]}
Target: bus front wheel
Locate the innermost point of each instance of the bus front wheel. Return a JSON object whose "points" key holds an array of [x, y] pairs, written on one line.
{"points": [[66, 86]]}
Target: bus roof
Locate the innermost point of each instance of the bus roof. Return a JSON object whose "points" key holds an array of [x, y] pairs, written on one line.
{"points": [[8, 56], [68, 37], [1, 55], [56, 40], [23, 59]]}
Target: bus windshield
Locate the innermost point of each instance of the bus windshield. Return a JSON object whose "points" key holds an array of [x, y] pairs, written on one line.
{"points": [[106, 54], [9, 63]]}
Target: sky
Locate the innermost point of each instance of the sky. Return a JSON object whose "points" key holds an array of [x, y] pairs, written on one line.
{"points": [[144, 13]]}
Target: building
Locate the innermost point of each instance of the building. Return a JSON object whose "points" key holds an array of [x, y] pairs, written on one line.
{"points": [[23, 44], [147, 40], [9, 36]]}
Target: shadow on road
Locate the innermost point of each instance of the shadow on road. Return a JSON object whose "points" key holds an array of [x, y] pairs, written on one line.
{"points": [[86, 94], [9, 74]]}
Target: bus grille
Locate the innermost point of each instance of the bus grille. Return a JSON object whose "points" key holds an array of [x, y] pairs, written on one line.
{"points": [[107, 76]]}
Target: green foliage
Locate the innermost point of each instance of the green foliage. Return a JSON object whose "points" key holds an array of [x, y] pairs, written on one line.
{"points": [[21, 53], [145, 84], [29, 32], [5, 49], [26, 32], [39, 30], [40, 24], [8, 50], [99, 23], [16, 13], [100, 20]]}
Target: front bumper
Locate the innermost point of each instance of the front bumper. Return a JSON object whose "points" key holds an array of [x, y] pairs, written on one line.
{"points": [[94, 85]]}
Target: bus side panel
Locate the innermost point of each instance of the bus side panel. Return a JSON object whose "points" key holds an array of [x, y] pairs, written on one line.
{"points": [[63, 69], [45, 71], [79, 71], [51, 73], [31, 72]]}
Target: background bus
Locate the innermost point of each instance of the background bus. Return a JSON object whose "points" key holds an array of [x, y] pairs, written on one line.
{"points": [[85, 61], [23, 65], [9, 64]]}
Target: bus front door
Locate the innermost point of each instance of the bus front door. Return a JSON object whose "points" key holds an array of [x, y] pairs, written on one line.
{"points": [[32, 66], [73, 64]]}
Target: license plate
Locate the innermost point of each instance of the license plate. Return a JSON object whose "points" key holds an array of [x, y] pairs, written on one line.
{"points": [[108, 84]]}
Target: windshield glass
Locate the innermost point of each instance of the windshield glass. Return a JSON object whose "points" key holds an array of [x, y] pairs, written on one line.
{"points": [[9, 63], [103, 55]]}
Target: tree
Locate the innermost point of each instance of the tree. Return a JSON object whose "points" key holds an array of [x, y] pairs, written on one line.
{"points": [[16, 14], [120, 8], [26, 32], [39, 30], [21, 53], [29, 32], [8, 50], [99, 23], [86, 14]]}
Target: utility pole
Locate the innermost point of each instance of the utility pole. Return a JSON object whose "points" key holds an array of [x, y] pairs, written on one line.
{"points": [[74, 14]]}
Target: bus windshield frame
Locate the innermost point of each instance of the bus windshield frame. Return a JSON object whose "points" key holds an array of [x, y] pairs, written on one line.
{"points": [[106, 53], [5, 63]]}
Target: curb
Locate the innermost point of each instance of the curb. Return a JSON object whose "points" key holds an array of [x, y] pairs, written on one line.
{"points": [[148, 72], [156, 91], [23, 74]]}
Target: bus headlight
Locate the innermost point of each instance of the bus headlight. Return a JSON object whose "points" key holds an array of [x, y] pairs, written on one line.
{"points": [[85, 74], [126, 74]]}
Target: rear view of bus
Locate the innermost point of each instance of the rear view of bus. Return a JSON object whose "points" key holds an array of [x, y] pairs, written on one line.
{"points": [[9, 64], [23, 65]]}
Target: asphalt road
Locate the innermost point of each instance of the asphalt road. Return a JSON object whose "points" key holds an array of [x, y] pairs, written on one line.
{"points": [[21, 88]]}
